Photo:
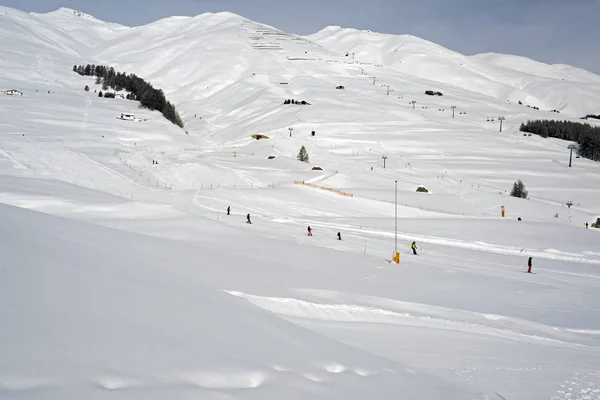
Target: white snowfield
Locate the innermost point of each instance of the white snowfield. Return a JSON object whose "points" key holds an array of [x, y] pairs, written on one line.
{"points": [[122, 276]]}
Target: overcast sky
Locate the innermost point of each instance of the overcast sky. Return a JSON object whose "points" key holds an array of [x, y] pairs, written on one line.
{"points": [[552, 31]]}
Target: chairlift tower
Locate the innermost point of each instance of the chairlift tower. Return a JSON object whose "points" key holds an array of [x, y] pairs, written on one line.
{"points": [[501, 119]]}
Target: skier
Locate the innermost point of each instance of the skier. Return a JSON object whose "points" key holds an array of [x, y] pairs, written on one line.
{"points": [[529, 265], [339, 235], [309, 231], [586, 225], [248, 219], [228, 210], [413, 246]]}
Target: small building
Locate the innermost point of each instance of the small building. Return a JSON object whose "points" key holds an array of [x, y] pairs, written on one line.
{"points": [[317, 169], [14, 92], [340, 87], [119, 96], [128, 117]]}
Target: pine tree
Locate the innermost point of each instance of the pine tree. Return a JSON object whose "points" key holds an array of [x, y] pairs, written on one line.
{"points": [[98, 80], [100, 94], [74, 68], [303, 155], [87, 88], [518, 190]]}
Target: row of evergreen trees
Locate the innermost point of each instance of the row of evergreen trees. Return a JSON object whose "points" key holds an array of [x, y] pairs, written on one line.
{"points": [[587, 136], [148, 96]]}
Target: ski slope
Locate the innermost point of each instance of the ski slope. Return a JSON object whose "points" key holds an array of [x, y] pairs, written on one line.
{"points": [[125, 278]]}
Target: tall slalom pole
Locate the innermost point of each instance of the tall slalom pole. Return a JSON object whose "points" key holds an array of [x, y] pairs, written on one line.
{"points": [[396, 218]]}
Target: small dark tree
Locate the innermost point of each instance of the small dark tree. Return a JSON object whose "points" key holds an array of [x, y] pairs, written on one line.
{"points": [[100, 94], [303, 155], [518, 190], [74, 68], [87, 88]]}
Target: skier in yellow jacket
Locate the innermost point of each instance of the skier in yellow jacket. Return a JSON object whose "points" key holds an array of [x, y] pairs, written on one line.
{"points": [[413, 246]]}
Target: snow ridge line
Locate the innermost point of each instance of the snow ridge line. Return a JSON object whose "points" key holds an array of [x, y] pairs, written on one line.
{"points": [[426, 316]]}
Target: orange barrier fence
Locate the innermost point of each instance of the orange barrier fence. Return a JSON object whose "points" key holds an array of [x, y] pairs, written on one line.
{"points": [[324, 188]]}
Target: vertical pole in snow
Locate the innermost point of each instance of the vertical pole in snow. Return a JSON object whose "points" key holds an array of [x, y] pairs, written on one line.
{"points": [[396, 218], [365, 253], [570, 155]]}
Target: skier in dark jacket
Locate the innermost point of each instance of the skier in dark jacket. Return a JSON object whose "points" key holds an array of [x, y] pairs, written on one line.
{"points": [[309, 231], [529, 265], [339, 235], [228, 210], [248, 219]]}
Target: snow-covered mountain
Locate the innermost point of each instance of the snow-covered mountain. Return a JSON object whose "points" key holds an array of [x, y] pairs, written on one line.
{"points": [[122, 275], [568, 89]]}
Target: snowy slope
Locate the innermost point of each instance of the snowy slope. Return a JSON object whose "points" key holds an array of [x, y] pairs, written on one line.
{"points": [[505, 77], [148, 289], [118, 317]]}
